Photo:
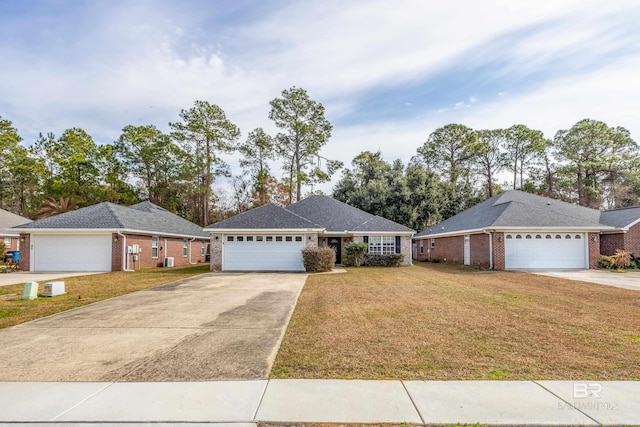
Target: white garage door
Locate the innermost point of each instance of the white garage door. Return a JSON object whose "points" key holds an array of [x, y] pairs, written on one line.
{"points": [[262, 253], [71, 253], [545, 250]]}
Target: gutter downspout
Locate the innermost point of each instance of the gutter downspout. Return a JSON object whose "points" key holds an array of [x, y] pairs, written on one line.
{"points": [[490, 248], [191, 241], [125, 257]]}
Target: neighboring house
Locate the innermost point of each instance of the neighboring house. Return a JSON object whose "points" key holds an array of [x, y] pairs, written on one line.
{"points": [[8, 236], [271, 238], [521, 230], [626, 235], [109, 237]]}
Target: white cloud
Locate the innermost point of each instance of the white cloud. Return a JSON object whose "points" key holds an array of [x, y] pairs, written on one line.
{"points": [[139, 63]]}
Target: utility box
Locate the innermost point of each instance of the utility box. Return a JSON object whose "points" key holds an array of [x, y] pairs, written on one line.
{"points": [[30, 291], [51, 289]]}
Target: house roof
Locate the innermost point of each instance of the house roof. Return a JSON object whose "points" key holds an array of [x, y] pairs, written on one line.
{"points": [[8, 220], [267, 216], [144, 217], [621, 218], [337, 216], [316, 212], [515, 208]]}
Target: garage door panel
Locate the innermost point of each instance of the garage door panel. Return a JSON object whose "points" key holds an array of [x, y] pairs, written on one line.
{"points": [[263, 256], [71, 253], [550, 250]]}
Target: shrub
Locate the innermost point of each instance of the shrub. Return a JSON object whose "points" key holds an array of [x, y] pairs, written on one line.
{"points": [[621, 258], [393, 260], [318, 260], [354, 254], [606, 261]]}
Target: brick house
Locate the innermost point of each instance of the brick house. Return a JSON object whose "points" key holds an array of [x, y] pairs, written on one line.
{"points": [[518, 230], [271, 238], [10, 237], [109, 237], [626, 233]]}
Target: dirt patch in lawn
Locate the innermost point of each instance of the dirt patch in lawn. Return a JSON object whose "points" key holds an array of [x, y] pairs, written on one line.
{"points": [[83, 290], [445, 322]]}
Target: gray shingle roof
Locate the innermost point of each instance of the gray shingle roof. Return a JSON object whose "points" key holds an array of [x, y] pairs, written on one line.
{"points": [[267, 216], [145, 217], [519, 209], [620, 218], [334, 215], [313, 212], [8, 220]]}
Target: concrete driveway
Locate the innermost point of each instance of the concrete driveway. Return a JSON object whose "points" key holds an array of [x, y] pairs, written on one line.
{"points": [[211, 327], [19, 277], [626, 280]]}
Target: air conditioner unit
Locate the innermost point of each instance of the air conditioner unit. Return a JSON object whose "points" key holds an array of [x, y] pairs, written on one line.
{"points": [[168, 261]]}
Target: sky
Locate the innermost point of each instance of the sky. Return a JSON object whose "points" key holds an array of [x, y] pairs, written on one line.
{"points": [[387, 72]]}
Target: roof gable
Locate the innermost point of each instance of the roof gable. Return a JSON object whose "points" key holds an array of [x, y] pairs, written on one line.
{"points": [[8, 220], [337, 216], [267, 216]]}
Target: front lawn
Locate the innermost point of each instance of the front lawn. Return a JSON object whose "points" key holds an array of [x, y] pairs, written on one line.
{"points": [[445, 322], [83, 290]]}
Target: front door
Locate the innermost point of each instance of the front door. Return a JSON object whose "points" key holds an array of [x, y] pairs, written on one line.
{"points": [[334, 243]]}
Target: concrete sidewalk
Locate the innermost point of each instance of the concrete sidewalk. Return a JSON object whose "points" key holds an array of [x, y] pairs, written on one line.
{"points": [[323, 401]]}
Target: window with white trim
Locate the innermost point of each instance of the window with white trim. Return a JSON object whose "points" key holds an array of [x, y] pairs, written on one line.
{"points": [[203, 248], [382, 245], [7, 243], [154, 246], [185, 245], [421, 246], [433, 243]]}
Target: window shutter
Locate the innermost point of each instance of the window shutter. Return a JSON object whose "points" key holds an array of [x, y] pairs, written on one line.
{"points": [[398, 249], [366, 239]]}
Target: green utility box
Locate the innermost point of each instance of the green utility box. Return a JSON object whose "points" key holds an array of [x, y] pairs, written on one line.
{"points": [[30, 291]]}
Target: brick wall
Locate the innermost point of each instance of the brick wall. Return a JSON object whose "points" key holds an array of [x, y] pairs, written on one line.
{"points": [[610, 242], [629, 241], [632, 240], [406, 250], [498, 251], [479, 248], [424, 255], [116, 252], [311, 240], [14, 244], [167, 247], [25, 252], [451, 249], [594, 249], [447, 249], [216, 252]]}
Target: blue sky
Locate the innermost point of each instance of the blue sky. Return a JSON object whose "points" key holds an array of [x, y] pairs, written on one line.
{"points": [[388, 72]]}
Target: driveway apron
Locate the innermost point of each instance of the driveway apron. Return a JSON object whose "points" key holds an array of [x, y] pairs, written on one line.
{"points": [[218, 326]]}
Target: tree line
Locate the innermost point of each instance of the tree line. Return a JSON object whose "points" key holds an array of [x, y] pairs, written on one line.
{"points": [[175, 170], [591, 164]]}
